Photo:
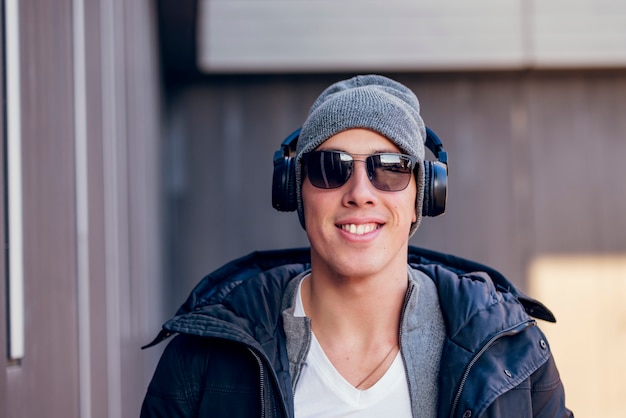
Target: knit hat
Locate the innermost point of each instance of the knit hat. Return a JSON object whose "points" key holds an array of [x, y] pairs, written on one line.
{"points": [[372, 102]]}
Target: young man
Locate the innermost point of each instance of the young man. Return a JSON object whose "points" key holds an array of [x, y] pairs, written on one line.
{"points": [[362, 324]]}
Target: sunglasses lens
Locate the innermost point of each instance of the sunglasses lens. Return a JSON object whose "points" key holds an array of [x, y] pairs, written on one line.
{"points": [[390, 172], [331, 169], [328, 169]]}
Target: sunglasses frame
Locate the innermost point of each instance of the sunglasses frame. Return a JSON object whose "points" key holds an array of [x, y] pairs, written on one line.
{"points": [[348, 165]]}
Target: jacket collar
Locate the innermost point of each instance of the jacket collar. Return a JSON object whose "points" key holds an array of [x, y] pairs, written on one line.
{"points": [[278, 267]]}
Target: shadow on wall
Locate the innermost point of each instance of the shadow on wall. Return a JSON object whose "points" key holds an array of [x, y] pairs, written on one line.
{"points": [[587, 294]]}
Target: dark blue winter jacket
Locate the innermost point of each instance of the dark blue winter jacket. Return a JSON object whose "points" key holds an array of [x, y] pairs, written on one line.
{"points": [[229, 358]]}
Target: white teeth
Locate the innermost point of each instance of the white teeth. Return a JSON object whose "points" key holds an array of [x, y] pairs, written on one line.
{"points": [[359, 229]]}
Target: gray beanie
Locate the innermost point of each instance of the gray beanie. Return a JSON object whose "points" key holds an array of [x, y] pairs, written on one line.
{"points": [[372, 102]]}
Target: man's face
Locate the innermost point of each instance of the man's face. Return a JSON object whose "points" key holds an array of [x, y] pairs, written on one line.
{"points": [[356, 229]]}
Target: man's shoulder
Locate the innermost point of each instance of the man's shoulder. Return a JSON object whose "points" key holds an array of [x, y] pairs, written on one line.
{"points": [[260, 269], [460, 279]]}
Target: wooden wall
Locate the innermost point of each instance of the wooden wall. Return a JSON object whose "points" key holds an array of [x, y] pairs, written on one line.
{"points": [[535, 166], [174, 186]]}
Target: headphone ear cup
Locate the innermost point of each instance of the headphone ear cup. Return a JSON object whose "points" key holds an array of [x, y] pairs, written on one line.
{"points": [[427, 186], [284, 177], [283, 183], [435, 188]]}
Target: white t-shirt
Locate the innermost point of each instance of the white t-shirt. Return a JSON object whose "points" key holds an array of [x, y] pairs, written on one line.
{"points": [[323, 392]]}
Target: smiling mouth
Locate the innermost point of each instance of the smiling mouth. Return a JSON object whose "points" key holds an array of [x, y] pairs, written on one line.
{"points": [[360, 229]]}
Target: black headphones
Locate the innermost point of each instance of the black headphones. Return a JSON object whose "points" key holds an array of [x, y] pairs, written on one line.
{"points": [[435, 176]]}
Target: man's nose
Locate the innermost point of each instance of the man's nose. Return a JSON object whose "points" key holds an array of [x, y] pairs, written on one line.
{"points": [[359, 188]]}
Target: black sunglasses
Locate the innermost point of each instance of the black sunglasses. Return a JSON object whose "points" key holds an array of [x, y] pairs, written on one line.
{"points": [[331, 169]]}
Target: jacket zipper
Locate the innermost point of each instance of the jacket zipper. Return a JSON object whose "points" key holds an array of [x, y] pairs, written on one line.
{"points": [[261, 382], [406, 373], [263, 389], [508, 332]]}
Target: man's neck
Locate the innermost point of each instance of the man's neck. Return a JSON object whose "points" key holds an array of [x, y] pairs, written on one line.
{"points": [[356, 321], [363, 302]]}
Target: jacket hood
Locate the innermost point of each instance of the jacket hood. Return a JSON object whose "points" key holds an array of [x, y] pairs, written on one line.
{"points": [[432, 262], [227, 303]]}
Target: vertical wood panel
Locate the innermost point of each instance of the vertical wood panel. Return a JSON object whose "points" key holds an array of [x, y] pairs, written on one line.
{"points": [[143, 312], [97, 256], [578, 146], [608, 106], [49, 367], [3, 270]]}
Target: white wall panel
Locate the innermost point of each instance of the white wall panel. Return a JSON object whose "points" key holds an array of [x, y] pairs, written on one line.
{"points": [[392, 35], [287, 35], [579, 33]]}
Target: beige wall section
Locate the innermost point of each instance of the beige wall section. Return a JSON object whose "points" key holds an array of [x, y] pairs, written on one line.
{"points": [[586, 292]]}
